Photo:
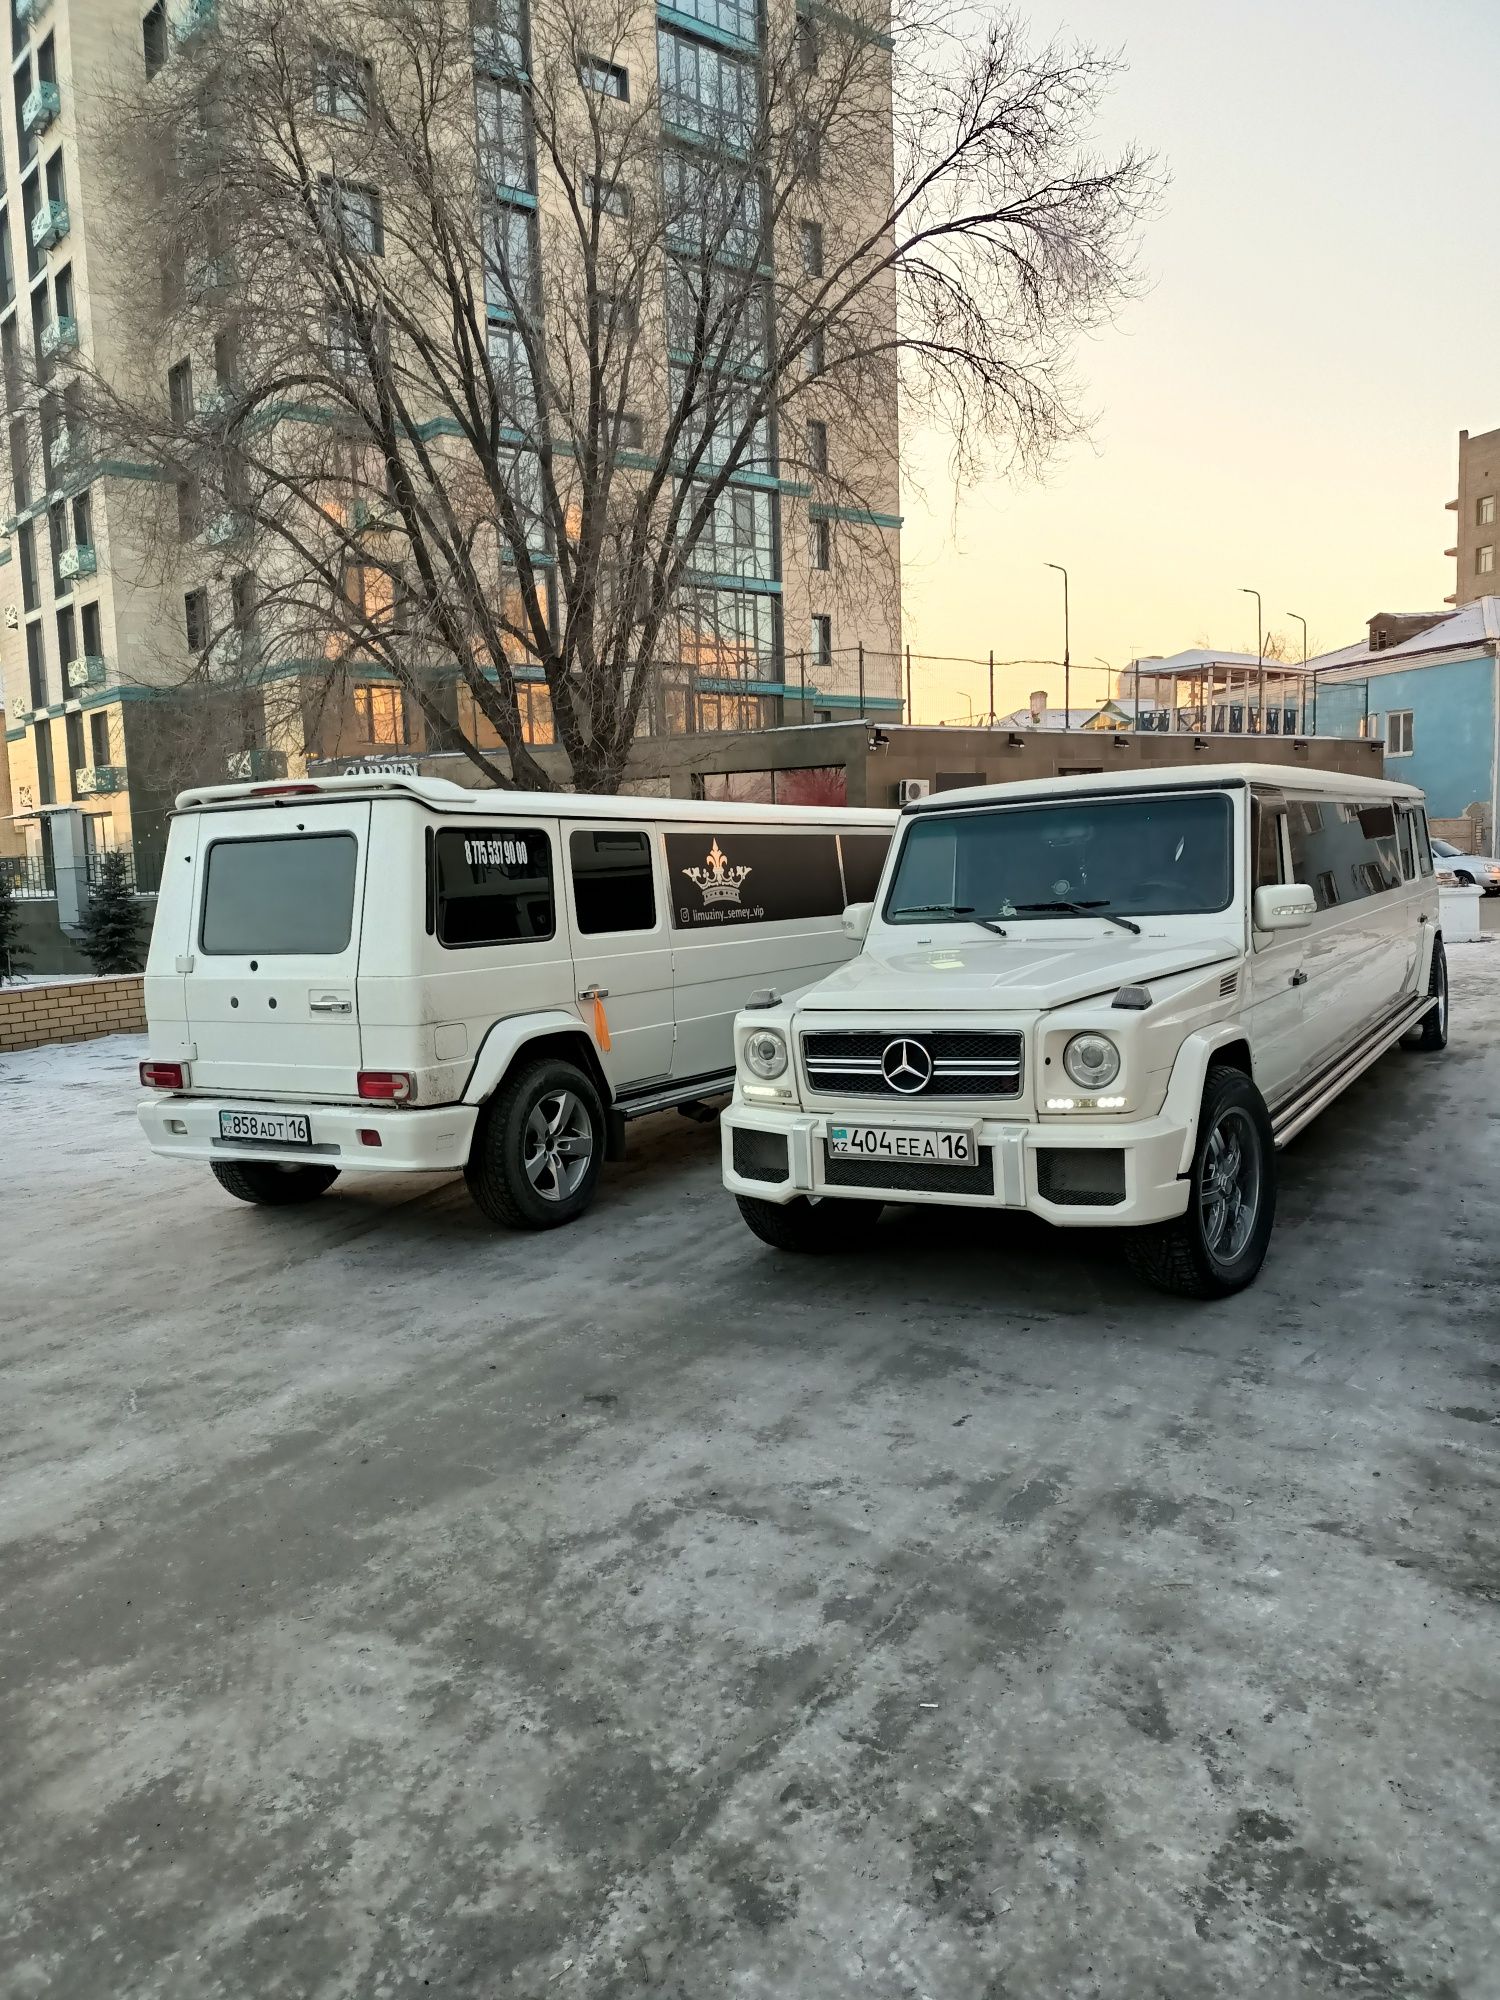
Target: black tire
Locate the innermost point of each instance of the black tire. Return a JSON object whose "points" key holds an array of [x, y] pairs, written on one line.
{"points": [[810, 1226], [1432, 1035], [273, 1186], [1465, 879], [512, 1174], [1189, 1256]]}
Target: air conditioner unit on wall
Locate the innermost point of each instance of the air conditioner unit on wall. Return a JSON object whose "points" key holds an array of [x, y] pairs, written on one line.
{"points": [[910, 789]]}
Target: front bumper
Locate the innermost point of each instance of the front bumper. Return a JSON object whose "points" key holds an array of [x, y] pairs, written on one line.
{"points": [[419, 1141], [1133, 1174]]}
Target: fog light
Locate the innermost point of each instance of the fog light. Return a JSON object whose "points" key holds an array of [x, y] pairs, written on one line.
{"points": [[368, 1136]]}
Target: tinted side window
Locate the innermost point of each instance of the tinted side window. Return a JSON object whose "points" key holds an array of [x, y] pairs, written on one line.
{"points": [[1344, 852], [492, 885], [1423, 842], [1404, 841], [1266, 836], [864, 857], [728, 876], [268, 898], [612, 886]]}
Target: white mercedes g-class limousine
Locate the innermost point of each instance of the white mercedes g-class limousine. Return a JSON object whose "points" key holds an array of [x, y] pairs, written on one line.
{"points": [[388, 974], [1107, 1000]]}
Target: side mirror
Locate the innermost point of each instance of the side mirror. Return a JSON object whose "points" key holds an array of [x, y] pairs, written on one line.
{"points": [[856, 921], [1288, 906]]}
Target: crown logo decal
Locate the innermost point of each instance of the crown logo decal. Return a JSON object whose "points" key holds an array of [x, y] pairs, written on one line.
{"points": [[717, 881]]}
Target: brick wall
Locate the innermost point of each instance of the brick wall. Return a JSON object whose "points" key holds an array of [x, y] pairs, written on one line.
{"points": [[75, 1012]]}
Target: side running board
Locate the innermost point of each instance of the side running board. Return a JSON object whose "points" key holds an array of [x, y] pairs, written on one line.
{"points": [[1320, 1091]]}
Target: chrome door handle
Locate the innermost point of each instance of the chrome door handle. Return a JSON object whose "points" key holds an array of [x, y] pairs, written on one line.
{"points": [[594, 993], [1299, 979], [330, 1004]]}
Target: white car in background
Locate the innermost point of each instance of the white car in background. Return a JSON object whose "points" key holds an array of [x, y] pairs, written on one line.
{"points": [[1470, 871]]}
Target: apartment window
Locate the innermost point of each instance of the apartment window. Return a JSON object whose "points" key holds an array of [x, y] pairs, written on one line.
{"points": [[820, 640], [607, 78], [706, 91], [618, 315], [1484, 559], [7, 263], [62, 293], [817, 445], [1398, 733], [629, 432], [83, 521], [77, 755], [346, 355], [180, 393], [713, 206], [807, 144], [195, 620], [93, 645], [56, 186], [810, 239], [609, 197], [819, 545], [26, 556], [807, 45], [36, 664], [154, 38], [1484, 512], [504, 142], [244, 605], [67, 636], [351, 213], [738, 539], [812, 358], [341, 85], [381, 714], [226, 357], [20, 463], [46, 783], [509, 261], [99, 738], [46, 61]]}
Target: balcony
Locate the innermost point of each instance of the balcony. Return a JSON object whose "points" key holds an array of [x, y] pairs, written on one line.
{"points": [[253, 765], [81, 561], [63, 447], [85, 673], [224, 529], [208, 277], [39, 109], [59, 336], [216, 403], [97, 778], [49, 225], [196, 16]]}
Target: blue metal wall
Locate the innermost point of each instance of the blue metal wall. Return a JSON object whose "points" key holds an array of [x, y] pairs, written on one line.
{"points": [[1453, 727]]}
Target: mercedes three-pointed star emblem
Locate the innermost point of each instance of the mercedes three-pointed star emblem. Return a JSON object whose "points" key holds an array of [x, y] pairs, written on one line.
{"points": [[906, 1066]]}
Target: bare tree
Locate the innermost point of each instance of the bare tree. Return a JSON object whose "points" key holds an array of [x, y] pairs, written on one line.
{"points": [[500, 330]]}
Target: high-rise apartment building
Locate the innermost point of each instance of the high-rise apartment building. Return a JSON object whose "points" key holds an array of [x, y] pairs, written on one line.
{"points": [[1477, 507], [100, 634]]}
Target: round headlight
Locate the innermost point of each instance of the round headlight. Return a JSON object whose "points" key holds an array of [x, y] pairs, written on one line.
{"points": [[765, 1052], [1092, 1061]]}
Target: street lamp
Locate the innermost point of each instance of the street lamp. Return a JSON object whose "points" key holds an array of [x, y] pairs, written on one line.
{"points": [[1067, 655], [1260, 653], [1303, 716]]}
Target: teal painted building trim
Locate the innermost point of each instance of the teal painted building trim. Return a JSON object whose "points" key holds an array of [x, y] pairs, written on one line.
{"points": [[688, 24], [863, 517]]}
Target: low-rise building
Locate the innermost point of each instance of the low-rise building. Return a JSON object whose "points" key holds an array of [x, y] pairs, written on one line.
{"points": [[1477, 529], [1432, 701]]}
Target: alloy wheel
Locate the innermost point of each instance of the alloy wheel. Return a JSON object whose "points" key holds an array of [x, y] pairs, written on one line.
{"points": [[559, 1145], [1229, 1188]]}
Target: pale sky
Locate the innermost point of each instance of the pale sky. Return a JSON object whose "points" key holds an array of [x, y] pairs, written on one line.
{"points": [[1282, 409]]}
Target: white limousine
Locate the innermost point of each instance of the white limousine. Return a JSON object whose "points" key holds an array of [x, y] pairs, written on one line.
{"points": [[1107, 1000], [386, 974]]}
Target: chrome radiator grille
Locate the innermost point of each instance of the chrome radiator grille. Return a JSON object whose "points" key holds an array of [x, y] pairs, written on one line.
{"points": [[923, 1064]]}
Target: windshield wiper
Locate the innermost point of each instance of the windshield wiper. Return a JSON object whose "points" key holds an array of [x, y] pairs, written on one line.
{"points": [[949, 910], [1083, 910]]}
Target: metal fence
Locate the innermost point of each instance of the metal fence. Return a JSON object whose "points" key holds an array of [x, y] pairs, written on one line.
{"points": [[28, 875], [142, 871]]}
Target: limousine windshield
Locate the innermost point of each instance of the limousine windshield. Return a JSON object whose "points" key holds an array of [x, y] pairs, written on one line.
{"points": [[1171, 855]]}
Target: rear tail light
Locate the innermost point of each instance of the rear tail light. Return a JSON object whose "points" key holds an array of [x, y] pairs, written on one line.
{"points": [[281, 791], [385, 1086], [164, 1075]]}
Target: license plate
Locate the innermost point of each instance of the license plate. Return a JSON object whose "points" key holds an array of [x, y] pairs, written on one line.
{"points": [[272, 1128], [896, 1142]]}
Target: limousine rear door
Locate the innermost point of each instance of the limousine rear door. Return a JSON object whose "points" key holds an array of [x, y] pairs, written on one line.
{"points": [[622, 948]]}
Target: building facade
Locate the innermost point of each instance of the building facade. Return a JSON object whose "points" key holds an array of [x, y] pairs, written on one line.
{"points": [[1477, 523], [1432, 702], [98, 644]]}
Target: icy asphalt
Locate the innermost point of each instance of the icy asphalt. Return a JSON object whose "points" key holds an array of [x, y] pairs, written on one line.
{"points": [[391, 1607]]}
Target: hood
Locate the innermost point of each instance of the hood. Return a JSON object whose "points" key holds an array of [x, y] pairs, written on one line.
{"points": [[1027, 974]]}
